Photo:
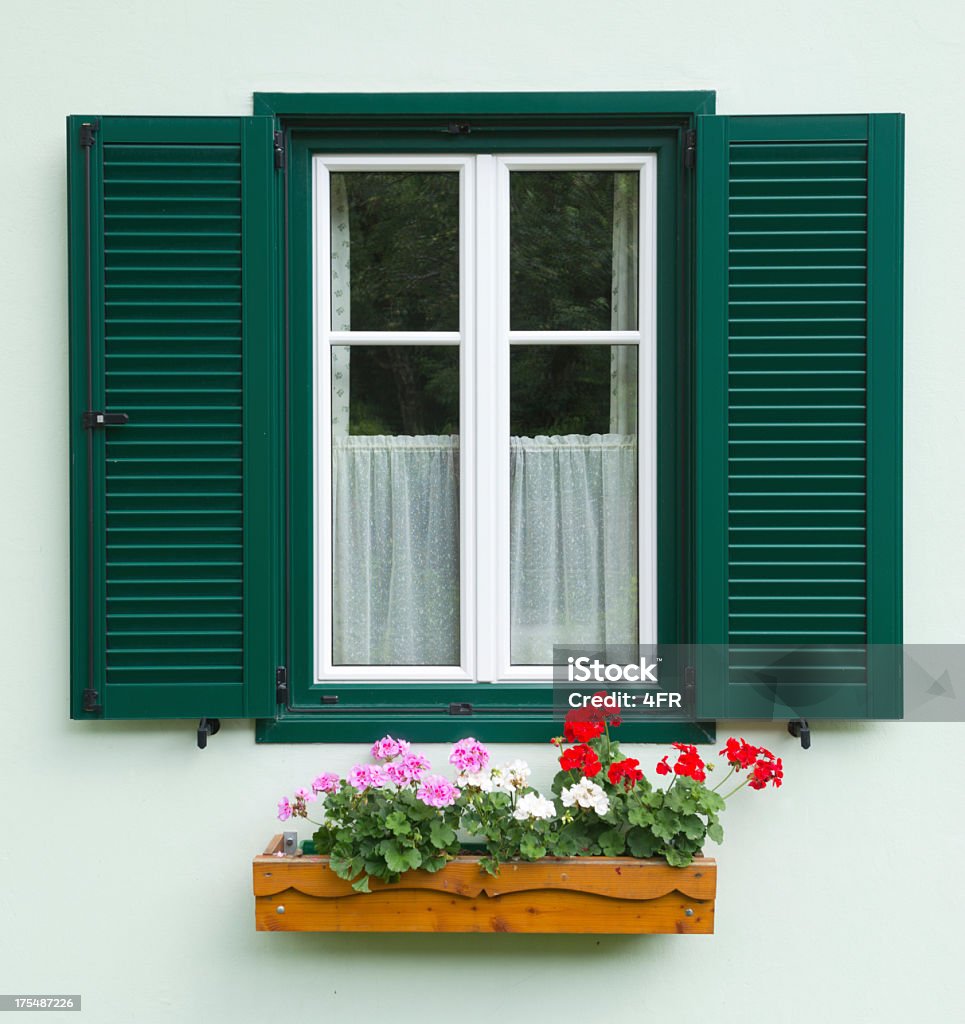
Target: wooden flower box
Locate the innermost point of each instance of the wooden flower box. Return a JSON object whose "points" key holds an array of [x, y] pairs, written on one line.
{"points": [[605, 895]]}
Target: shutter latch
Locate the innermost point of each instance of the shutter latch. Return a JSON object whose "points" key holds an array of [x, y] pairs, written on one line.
{"points": [[92, 420], [463, 708], [690, 147], [279, 138], [87, 130], [281, 685]]}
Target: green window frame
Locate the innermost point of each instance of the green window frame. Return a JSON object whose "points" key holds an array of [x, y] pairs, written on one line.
{"points": [[137, 574]]}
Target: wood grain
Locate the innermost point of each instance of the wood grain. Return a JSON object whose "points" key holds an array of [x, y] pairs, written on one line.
{"points": [[606, 895]]}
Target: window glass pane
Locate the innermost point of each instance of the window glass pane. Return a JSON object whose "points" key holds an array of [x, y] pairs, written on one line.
{"points": [[395, 251], [573, 250], [574, 574], [395, 505]]}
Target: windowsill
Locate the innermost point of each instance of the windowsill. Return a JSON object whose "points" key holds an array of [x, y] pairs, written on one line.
{"points": [[355, 725]]}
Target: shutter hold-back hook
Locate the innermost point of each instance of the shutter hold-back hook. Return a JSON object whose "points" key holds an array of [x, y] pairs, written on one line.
{"points": [[207, 727]]}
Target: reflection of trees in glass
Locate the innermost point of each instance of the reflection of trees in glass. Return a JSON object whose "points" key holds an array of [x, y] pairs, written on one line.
{"points": [[404, 389], [559, 389], [561, 247], [404, 239], [404, 231]]}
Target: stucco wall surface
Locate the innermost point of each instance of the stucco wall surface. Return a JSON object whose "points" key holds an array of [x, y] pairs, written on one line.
{"points": [[124, 860]]}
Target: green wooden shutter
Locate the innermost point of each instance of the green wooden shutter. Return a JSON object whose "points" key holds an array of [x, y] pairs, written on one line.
{"points": [[799, 412], [170, 218]]}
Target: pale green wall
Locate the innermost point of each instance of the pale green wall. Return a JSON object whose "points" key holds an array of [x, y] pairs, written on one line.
{"points": [[125, 851]]}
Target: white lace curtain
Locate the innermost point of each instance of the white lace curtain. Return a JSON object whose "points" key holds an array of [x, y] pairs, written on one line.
{"points": [[572, 547]]}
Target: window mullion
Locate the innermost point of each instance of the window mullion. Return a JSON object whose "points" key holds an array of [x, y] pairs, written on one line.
{"points": [[490, 400]]}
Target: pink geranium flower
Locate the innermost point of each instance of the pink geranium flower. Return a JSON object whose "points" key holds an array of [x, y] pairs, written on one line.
{"points": [[469, 755], [387, 748], [284, 809], [436, 791], [327, 782], [367, 776]]}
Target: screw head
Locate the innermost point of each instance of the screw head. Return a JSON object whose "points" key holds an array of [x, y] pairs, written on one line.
{"points": [[281, 910], [688, 912]]}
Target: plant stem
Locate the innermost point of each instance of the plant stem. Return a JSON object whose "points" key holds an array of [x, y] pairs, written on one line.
{"points": [[733, 791], [724, 779]]}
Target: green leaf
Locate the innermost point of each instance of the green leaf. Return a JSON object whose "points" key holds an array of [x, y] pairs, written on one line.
{"points": [[362, 885], [711, 802], [612, 843], [642, 842], [677, 858], [440, 834], [531, 848], [342, 866], [665, 824], [396, 860], [693, 826], [398, 824], [640, 816], [715, 831]]}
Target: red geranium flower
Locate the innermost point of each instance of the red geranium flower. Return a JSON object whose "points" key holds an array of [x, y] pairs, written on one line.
{"points": [[663, 768], [768, 769], [627, 770], [740, 753], [608, 712], [582, 759], [689, 763], [583, 724]]}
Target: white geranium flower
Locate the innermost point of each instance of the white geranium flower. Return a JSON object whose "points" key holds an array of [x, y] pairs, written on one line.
{"points": [[586, 794], [482, 781], [517, 772], [533, 806]]}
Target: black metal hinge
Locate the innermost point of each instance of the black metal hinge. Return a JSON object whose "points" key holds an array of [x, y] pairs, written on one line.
{"points": [[279, 151], [90, 701], [92, 420], [690, 148], [281, 685], [87, 130]]}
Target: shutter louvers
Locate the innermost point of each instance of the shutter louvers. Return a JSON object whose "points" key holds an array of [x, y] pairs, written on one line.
{"points": [[179, 294], [799, 411]]}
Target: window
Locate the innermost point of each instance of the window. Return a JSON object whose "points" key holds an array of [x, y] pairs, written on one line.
{"points": [[484, 327], [343, 303]]}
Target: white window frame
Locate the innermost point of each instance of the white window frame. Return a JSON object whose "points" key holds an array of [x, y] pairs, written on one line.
{"points": [[484, 340]]}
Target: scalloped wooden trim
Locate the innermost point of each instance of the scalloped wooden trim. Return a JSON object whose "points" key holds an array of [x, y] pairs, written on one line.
{"points": [[580, 894]]}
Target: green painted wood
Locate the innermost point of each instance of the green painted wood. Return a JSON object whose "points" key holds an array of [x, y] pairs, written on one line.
{"points": [[181, 243], [563, 104], [304, 723], [507, 727], [799, 444]]}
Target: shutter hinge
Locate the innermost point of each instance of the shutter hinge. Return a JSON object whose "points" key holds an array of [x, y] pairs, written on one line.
{"points": [[463, 708], [329, 698], [690, 148], [87, 130], [281, 685], [90, 701], [92, 420], [279, 138]]}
